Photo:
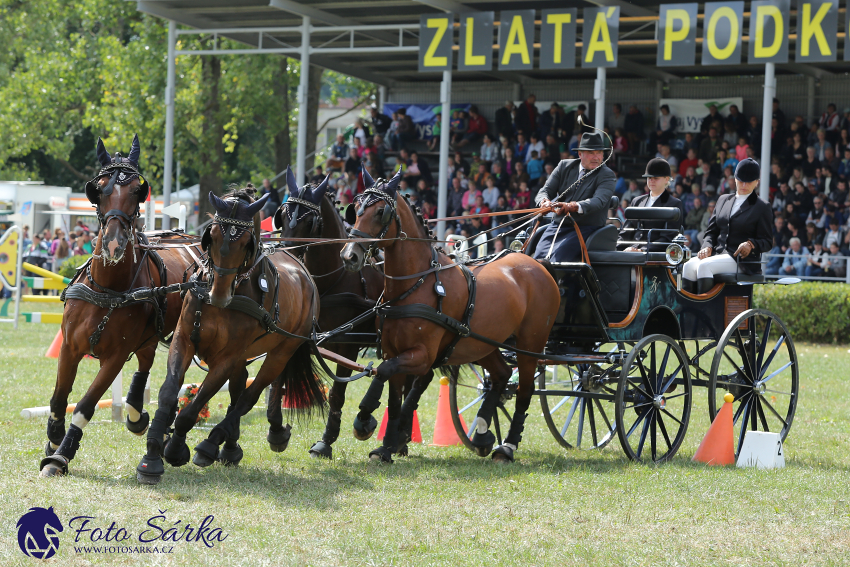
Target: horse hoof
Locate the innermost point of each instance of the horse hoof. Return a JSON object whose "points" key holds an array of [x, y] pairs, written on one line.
{"points": [[503, 455], [139, 427], [363, 431], [176, 453], [279, 440], [49, 450], [206, 453], [483, 443], [403, 451], [55, 465], [381, 454], [148, 478], [321, 450], [230, 457]]}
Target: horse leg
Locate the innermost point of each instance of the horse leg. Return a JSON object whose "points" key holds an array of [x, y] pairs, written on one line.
{"points": [[364, 422], [57, 463], [384, 453], [231, 453], [151, 469], [504, 453], [336, 399], [414, 387], [482, 438], [279, 435], [138, 418], [65, 376]]}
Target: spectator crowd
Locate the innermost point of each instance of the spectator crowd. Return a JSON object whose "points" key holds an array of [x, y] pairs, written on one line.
{"points": [[501, 166]]}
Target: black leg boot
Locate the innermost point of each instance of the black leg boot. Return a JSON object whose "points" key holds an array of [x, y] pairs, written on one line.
{"points": [[689, 286], [704, 285]]}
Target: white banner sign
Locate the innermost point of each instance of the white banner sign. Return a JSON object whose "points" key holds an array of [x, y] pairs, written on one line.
{"points": [[690, 112]]}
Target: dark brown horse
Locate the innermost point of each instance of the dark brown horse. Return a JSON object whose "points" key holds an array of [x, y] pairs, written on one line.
{"points": [[256, 301], [514, 297], [310, 213], [101, 319]]}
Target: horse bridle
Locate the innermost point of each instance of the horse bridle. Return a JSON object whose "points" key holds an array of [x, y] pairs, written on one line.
{"points": [[390, 213], [236, 229], [312, 209]]}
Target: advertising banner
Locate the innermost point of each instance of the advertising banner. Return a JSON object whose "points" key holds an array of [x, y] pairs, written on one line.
{"points": [[424, 116], [689, 113]]}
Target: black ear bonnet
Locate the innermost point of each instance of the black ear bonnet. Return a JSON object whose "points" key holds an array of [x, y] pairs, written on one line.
{"points": [[378, 190], [120, 170], [301, 203], [234, 216]]}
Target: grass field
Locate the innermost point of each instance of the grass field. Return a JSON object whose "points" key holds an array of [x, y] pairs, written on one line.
{"points": [[440, 506]]}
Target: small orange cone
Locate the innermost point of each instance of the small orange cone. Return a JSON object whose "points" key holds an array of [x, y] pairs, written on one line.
{"points": [[444, 430], [716, 448], [416, 434], [55, 346]]}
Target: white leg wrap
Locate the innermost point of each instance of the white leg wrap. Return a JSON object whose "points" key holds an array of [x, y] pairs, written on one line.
{"points": [[53, 445], [132, 413], [55, 417], [481, 425], [511, 445], [79, 420]]}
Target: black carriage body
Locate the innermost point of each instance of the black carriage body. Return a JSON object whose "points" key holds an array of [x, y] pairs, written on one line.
{"points": [[635, 295]]}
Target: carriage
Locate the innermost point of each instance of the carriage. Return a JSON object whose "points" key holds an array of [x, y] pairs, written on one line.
{"points": [[629, 346]]}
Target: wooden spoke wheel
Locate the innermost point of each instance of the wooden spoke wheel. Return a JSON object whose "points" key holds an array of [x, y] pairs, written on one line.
{"points": [[756, 362], [653, 403], [466, 397], [584, 417]]}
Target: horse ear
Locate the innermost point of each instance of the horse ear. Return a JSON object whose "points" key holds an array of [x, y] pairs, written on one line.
{"points": [[392, 184], [367, 179], [291, 182], [320, 191], [102, 155], [218, 204], [135, 152], [255, 207]]}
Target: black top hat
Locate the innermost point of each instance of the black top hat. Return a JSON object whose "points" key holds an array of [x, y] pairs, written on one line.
{"points": [[591, 141], [748, 170], [657, 167]]}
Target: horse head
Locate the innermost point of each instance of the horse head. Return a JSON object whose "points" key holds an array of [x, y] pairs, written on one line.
{"points": [[301, 216], [117, 191], [371, 215], [231, 241]]}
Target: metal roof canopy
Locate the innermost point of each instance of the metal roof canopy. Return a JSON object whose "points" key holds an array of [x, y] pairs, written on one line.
{"points": [[378, 40]]}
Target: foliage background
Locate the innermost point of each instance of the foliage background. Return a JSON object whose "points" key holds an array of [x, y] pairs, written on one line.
{"points": [[813, 311], [76, 70]]}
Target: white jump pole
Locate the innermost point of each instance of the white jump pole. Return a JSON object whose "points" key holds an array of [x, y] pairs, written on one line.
{"points": [[117, 400]]}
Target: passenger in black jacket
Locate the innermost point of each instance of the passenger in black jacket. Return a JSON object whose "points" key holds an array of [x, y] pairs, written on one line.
{"points": [[740, 229], [658, 177]]}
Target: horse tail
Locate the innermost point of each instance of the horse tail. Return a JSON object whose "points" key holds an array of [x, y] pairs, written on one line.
{"points": [[303, 386]]}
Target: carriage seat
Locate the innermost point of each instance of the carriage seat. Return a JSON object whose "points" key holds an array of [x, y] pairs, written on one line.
{"points": [[739, 277]]}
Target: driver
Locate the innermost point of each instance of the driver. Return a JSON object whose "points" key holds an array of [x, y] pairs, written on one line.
{"points": [[588, 184], [741, 227]]}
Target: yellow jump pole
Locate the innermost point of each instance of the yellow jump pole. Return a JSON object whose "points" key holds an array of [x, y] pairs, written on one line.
{"points": [[46, 273]]}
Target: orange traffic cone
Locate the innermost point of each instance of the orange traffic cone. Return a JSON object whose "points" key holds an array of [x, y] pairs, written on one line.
{"points": [[444, 430], [716, 448], [416, 434], [55, 346]]}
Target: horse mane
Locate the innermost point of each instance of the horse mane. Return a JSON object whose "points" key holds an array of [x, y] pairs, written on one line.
{"points": [[417, 213]]}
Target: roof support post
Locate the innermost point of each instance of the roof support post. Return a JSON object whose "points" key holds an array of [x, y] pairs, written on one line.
{"points": [[810, 99], [382, 97], [445, 127], [766, 122], [599, 94], [169, 125], [303, 86]]}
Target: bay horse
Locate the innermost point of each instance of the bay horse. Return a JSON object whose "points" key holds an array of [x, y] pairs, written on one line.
{"points": [[101, 317], [254, 301], [510, 297], [310, 212]]}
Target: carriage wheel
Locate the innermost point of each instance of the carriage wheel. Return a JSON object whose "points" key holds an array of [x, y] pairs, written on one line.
{"points": [[756, 362], [576, 422], [653, 404], [466, 397]]}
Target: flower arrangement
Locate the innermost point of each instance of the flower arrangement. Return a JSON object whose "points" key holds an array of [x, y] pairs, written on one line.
{"points": [[183, 401]]}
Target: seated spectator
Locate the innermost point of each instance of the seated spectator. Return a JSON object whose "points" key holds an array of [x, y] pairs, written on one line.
{"points": [[724, 161], [794, 263], [836, 266], [523, 196], [406, 128], [509, 161], [821, 144], [476, 127], [317, 177], [632, 192], [380, 121], [694, 218], [810, 163], [480, 208], [352, 164], [491, 194], [527, 115], [489, 150], [844, 167], [665, 127], [534, 168], [470, 195], [548, 168], [830, 160], [535, 145], [817, 260], [741, 148], [455, 198], [519, 176], [358, 145], [834, 234], [664, 153], [521, 147], [817, 216], [691, 161], [782, 197], [361, 132], [481, 176], [634, 127], [704, 224], [436, 130], [460, 164], [621, 143], [781, 236], [393, 138], [499, 177], [339, 153]]}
